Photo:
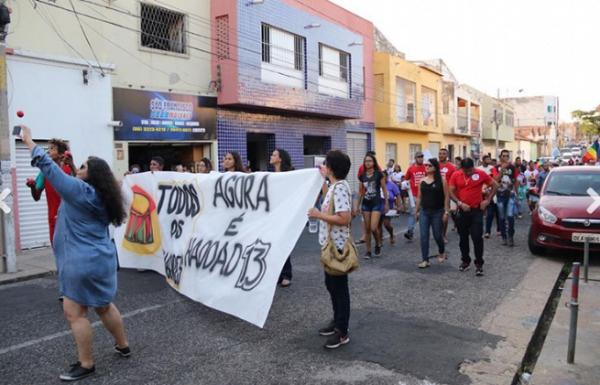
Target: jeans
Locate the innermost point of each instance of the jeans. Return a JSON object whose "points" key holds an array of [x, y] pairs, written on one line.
{"points": [[337, 286], [411, 220], [470, 223], [433, 219], [490, 213], [286, 272], [506, 213]]}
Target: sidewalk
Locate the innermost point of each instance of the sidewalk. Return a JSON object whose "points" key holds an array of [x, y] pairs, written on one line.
{"points": [[31, 264], [552, 367]]}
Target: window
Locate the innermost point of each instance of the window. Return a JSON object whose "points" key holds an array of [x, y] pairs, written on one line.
{"points": [[334, 72], [428, 106], [391, 151], [405, 100], [162, 29], [413, 149], [282, 48], [283, 58], [510, 119]]}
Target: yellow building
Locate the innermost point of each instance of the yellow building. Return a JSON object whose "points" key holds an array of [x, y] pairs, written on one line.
{"points": [[407, 116]]}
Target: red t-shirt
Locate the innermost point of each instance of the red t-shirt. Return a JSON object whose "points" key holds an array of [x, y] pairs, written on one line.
{"points": [[53, 200], [447, 169], [468, 189], [415, 174]]}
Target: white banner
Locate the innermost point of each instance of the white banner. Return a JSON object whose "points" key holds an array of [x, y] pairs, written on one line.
{"points": [[219, 239]]}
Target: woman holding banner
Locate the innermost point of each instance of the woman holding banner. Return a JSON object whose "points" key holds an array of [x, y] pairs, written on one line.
{"points": [[86, 256], [205, 166], [281, 162], [336, 226], [233, 162]]}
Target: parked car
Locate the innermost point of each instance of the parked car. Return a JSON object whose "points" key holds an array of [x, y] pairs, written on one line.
{"points": [[576, 151], [562, 216]]}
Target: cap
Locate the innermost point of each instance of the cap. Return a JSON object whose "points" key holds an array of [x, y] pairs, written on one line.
{"points": [[418, 154]]}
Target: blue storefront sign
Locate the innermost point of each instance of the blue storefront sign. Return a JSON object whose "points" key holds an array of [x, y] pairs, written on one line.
{"points": [[161, 116]]}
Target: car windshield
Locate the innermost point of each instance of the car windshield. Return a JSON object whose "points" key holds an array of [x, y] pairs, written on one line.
{"points": [[573, 184]]}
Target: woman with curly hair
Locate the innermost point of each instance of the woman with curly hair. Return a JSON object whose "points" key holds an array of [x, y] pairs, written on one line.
{"points": [[232, 161], [86, 257]]}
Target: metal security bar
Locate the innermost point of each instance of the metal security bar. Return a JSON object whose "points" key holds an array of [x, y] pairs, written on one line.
{"points": [[163, 29]]}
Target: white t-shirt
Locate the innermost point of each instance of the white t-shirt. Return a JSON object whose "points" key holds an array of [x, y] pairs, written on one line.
{"points": [[342, 201], [397, 177]]}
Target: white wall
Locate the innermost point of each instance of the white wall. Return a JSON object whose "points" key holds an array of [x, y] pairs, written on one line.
{"points": [[57, 104]]}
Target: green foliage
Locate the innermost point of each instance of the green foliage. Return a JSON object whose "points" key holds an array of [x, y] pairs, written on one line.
{"points": [[589, 121]]}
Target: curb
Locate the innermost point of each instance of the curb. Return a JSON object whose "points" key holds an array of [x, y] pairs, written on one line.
{"points": [[26, 277]]}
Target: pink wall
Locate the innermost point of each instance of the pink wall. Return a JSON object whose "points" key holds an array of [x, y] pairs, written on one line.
{"points": [[335, 14], [229, 70]]}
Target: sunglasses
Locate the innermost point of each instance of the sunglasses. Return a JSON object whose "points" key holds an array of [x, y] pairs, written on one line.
{"points": [[428, 165]]}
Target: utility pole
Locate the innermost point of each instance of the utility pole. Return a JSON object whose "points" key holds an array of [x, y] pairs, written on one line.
{"points": [[9, 265]]}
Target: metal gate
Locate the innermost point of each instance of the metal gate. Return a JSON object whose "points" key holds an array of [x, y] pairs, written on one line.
{"points": [[357, 146], [33, 216]]}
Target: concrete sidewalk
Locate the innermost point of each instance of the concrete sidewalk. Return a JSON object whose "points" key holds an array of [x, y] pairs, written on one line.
{"points": [[552, 367], [31, 264]]}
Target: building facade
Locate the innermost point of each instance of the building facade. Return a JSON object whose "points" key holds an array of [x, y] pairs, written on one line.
{"points": [[537, 118], [293, 76], [141, 87], [407, 109]]}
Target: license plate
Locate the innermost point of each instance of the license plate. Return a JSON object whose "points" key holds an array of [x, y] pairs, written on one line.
{"points": [[582, 237]]}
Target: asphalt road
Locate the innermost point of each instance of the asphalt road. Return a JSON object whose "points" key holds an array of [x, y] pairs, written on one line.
{"points": [[408, 326]]}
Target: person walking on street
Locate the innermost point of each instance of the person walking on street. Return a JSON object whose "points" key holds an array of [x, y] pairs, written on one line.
{"points": [[394, 204], [414, 175], [372, 205], [356, 210], [432, 208], [466, 186], [447, 168], [492, 210], [282, 162], [506, 175], [336, 226], [86, 256]]}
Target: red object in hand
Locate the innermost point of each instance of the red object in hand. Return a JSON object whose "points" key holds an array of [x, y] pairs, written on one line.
{"points": [[30, 182], [20, 114]]}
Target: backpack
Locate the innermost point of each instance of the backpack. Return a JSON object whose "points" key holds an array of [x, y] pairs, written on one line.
{"points": [[4, 15]]}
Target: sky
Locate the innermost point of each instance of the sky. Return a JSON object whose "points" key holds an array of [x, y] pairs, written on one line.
{"points": [[544, 47]]}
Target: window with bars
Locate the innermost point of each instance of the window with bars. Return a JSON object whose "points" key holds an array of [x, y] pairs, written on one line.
{"points": [[162, 29], [428, 106], [333, 63], [406, 95], [223, 37], [391, 151], [413, 149], [282, 48]]}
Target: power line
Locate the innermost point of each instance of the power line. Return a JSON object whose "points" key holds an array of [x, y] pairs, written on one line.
{"points": [[86, 38]]}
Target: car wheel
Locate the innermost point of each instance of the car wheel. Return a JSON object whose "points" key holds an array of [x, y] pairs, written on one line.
{"points": [[533, 247]]}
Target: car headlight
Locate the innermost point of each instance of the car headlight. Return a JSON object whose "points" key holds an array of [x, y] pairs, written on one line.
{"points": [[546, 215]]}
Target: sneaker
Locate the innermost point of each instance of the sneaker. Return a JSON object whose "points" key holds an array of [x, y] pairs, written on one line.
{"points": [[368, 255], [328, 330], [123, 352], [77, 372], [504, 242], [511, 242], [378, 251], [479, 272], [408, 236], [337, 340], [486, 235], [285, 282], [61, 298], [424, 265], [464, 267]]}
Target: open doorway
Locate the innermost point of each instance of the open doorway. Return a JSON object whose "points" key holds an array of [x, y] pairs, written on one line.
{"points": [[186, 154], [259, 148], [316, 145]]}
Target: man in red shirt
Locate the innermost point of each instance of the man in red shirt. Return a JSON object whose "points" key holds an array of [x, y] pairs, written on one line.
{"points": [[446, 169], [414, 175], [58, 150], [466, 187]]}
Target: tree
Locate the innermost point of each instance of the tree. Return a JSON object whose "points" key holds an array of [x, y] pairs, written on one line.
{"points": [[589, 121]]}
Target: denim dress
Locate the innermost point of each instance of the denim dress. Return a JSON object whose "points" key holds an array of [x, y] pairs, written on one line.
{"points": [[86, 257]]}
